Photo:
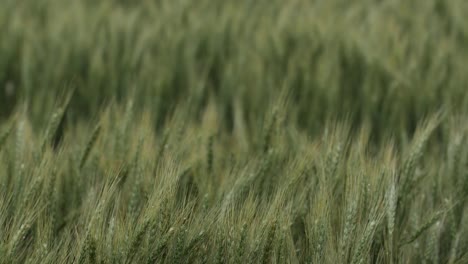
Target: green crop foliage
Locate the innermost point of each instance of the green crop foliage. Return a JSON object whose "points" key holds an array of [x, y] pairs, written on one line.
{"points": [[176, 131]]}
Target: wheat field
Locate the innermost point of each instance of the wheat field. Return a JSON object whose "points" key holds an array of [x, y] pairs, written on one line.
{"points": [[177, 131]]}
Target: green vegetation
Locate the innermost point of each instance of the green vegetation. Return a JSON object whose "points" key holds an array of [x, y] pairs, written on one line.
{"points": [[177, 131]]}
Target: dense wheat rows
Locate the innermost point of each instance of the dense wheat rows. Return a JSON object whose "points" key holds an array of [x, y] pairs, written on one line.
{"points": [[179, 131]]}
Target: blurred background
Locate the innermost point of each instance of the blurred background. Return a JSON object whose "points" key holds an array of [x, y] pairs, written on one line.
{"points": [[385, 63]]}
